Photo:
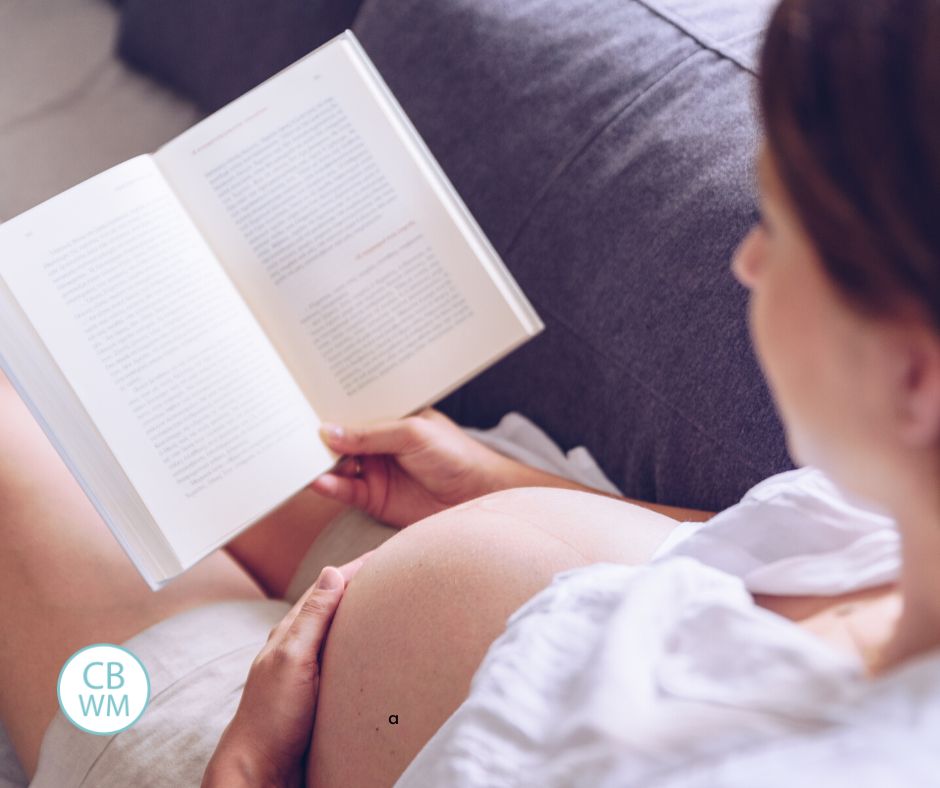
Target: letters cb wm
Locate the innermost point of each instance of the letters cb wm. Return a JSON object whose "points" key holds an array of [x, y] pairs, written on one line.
{"points": [[103, 689]]}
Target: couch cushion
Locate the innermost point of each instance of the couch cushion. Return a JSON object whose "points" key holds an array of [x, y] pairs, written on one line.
{"points": [[605, 146]]}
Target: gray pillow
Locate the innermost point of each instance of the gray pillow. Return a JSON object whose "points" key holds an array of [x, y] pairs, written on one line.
{"points": [[605, 146]]}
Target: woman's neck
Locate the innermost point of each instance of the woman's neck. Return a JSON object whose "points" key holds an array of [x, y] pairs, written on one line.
{"points": [[918, 626]]}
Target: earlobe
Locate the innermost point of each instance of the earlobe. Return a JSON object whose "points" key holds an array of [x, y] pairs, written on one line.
{"points": [[746, 259], [920, 413]]}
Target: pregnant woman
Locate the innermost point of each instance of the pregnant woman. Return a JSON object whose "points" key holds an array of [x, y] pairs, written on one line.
{"points": [[797, 633], [772, 649]]}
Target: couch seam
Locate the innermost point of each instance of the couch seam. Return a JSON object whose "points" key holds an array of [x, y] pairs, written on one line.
{"points": [[584, 143], [61, 102], [686, 27], [589, 137]]}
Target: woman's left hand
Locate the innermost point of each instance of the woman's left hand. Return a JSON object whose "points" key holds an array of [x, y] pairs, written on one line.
{"points": [[265, 743]]}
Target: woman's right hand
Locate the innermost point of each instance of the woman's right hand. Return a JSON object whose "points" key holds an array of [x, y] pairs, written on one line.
{"points": [[411, 468]]}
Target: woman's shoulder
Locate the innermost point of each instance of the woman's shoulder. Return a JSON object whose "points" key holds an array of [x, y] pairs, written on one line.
{"points": [[797, 533], [805, 498]]}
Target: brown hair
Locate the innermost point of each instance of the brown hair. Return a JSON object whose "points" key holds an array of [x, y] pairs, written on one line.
{"points": [[850, 95]]}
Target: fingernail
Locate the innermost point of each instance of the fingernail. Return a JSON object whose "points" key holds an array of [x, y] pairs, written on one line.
{"points": [[333, 431], [330, 579]]}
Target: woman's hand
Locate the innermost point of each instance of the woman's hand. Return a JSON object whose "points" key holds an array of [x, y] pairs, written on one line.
{"points": [[265, 743], [411, 468]]}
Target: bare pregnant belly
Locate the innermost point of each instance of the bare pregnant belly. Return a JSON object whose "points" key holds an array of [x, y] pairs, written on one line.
{"points": [[416, 622]]}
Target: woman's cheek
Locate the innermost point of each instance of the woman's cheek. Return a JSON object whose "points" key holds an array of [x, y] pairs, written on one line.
{"points": [[761, 320], [776, 327]]}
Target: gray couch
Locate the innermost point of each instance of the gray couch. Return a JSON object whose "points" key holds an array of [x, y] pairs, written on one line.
{"points": [[605, 147]]}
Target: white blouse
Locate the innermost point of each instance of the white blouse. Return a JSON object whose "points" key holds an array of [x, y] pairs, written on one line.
{"points": [[670, 675]]}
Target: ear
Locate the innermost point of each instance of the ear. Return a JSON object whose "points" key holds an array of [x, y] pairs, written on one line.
{"points": [[919, 390]]}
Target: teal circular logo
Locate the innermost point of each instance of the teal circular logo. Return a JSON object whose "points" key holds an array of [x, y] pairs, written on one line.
{"points": [[103, 689]]}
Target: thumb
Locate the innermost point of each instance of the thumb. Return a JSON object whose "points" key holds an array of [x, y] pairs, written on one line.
{"points": [[310, 618], [387, 437]]}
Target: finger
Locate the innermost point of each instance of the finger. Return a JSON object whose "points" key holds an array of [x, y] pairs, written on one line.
{"points": [[347, 570], [432, 414], [348, 466], [351, 490], [283, 626], [388, 437], [309, 626]]}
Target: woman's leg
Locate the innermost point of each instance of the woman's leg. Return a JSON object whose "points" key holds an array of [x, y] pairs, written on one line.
{"points": [[416, 622], [65, 582], [271, 550]]}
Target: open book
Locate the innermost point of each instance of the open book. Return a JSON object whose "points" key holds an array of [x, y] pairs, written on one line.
{"points": [[181, 324]]}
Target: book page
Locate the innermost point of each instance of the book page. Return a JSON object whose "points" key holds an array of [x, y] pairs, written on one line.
{"points": [[163, 354], [330, 221]]}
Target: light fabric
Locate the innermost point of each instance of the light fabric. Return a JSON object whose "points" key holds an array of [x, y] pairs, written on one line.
{"points": [[519, 438], [796, 533], [197, 662], [670, 674]]}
